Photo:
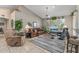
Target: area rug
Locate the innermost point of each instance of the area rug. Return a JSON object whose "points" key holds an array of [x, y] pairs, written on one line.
{"points": [[52, 45]]}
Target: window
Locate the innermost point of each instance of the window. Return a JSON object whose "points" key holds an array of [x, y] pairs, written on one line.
{"points": [[34, 24], [59, 22]]}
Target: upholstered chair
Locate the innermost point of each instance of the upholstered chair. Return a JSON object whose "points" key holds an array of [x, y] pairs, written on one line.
{"points": [[11, 39]]}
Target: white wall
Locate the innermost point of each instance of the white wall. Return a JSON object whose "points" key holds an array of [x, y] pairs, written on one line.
{"points": [[75, 23], [78, 15], [5, 12], [12, 18], [27, 16], [78, 21], [69, 23]]}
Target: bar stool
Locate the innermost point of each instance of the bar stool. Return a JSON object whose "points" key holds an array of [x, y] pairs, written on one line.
{"points": [[74, 42]]}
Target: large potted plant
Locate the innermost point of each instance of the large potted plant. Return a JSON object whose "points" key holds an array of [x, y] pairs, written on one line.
{"points": [[18, 25]]}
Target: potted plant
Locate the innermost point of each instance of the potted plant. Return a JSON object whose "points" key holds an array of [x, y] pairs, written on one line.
{"points": [[18, 25], [54, 18]]}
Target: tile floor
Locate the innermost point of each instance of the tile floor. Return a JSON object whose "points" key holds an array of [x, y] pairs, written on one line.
{"points": [[27, 47]]}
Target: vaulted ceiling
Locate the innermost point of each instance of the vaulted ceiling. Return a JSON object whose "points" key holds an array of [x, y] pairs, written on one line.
{"points": [[40, 10], [53, 10]]}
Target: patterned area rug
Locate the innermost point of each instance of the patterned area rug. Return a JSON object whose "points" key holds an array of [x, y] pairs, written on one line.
{"points": [[46, 42]]}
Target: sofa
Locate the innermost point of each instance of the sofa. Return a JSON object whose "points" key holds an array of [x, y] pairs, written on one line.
{"points": [[33, 32]]}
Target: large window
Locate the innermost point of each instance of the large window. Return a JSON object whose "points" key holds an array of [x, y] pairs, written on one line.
{"points": [[59, 22]]}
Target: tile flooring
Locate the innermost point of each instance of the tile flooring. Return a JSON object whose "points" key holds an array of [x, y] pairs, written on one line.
{"points": [[28, 47], [40, 44]]}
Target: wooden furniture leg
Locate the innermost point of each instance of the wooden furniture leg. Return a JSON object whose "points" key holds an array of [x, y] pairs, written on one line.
{"points": [[71, 48], [67, 47], [76, 48]]}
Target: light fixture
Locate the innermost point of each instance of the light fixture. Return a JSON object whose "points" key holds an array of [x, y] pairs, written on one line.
{"points": [[47, 16], [27, 27], [65, 26]]}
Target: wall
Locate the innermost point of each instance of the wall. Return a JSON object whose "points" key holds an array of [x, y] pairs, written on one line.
{"points": [[27, 16], [78, 20], [69, 23], [5, 12], [12, 18], [73, 22], [78, 15]]}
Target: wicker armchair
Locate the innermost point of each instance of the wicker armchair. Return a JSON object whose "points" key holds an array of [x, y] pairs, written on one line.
{"points": [[11, 39]]}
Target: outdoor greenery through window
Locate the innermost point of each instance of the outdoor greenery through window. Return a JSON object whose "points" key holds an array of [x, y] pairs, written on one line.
{"points": [[58, 23]]}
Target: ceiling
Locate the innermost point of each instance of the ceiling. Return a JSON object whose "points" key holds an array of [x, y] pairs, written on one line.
{"points": [[53, 10], [8, 6], [40, 10]]}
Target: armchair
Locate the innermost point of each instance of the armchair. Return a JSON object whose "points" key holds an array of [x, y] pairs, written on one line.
{"points": [[11, 39]]}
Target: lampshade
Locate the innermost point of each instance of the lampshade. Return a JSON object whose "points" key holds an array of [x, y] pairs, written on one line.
{"points": [[27, 27], [65, 26]]}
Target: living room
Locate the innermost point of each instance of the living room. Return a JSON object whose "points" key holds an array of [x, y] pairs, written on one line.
{"points": [[27, 28]]}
